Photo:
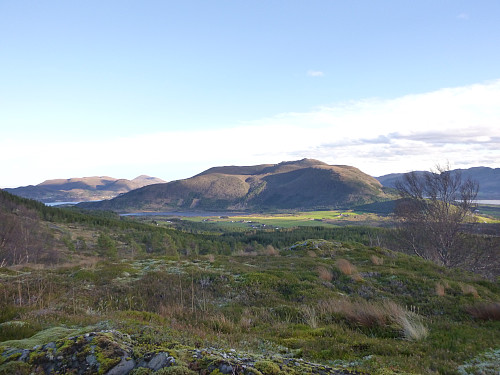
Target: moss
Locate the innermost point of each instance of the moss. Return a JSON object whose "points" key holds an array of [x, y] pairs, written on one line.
{"points": [[141, 371], [267, 367], [41, 338], [175, 370], [15, 368], [107, 352]]}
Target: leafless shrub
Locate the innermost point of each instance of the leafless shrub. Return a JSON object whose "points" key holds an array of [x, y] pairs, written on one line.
{"points": [[432, 210], [485, 311]]}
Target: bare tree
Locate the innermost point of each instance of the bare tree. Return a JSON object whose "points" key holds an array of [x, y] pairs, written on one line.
{"points": [[432, 210]]}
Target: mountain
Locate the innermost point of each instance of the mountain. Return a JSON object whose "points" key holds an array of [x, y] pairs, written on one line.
{"points": [[488, 179], [82, 189], [302, 184]]}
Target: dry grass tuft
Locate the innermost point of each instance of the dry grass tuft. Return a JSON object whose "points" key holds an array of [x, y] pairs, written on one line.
{"points": [[325, 274], [311, 254], [271, 251], [345, 267], [377, 261], [310, 316], [369, 314], [485, 311], [440, 289], [469, 289], [361, 312]]}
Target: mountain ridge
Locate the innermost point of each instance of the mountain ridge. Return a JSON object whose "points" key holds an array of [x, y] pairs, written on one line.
{"points": [[488, 179], [82, 188], [301, 184]]}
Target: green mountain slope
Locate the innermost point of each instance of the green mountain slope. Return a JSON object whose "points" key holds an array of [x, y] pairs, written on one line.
{"points": [[303, 184]]}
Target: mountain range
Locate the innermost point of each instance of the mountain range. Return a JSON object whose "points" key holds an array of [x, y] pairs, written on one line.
{"points": [[82, 189], [302, 184], [488, 179]]}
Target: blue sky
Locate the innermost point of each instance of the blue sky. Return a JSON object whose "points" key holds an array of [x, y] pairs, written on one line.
{"points": [[170, 88]]}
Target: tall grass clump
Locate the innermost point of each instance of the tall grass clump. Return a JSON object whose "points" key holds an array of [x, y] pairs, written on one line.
{"points": [[485, 311], [371, 315], [348, 269], [440, 290], [345, 267], [377, 261], [411, 324], [325, 274], [469, 289], [310, 316]]}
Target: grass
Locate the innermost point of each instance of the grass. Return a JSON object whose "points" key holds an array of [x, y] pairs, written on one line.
{"points": [[363, 307]]}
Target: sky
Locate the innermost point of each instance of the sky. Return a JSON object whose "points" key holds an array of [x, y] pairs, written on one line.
{"points": [[166, 88]]}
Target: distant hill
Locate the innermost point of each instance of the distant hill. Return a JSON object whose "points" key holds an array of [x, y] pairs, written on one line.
{"points": [[488, 178], [82, 189], [302, 184]]}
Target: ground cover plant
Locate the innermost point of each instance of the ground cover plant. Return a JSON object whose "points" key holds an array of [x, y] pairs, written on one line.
{"points": [[139, 298], [389, 317]]}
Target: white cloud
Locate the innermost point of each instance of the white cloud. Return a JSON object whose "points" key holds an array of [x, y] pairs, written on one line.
{"points": [[315, 73], [463, 16], [379, 136]]}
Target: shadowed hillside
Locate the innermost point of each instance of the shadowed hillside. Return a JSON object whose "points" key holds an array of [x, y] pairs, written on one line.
{"points": [[488, 179], [303, 184]]}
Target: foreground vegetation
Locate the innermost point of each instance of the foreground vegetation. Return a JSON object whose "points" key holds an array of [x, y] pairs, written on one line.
{"points": [[305, 300]]}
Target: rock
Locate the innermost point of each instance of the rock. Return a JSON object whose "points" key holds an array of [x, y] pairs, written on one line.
{"points": [[91, 360], [122, 368], [159, 360], [226, 368]]}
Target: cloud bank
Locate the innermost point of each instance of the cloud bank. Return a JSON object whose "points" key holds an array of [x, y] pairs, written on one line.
{"points": [[379, 136]]}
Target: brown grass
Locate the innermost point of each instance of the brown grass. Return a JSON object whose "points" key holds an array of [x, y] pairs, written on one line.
{"points": [[370, 314], [271, 251], [485, 311], [311, 254], [469, 289], [345, 267], [377, 261], [325, 274], [440, 289], [362, 312]]}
